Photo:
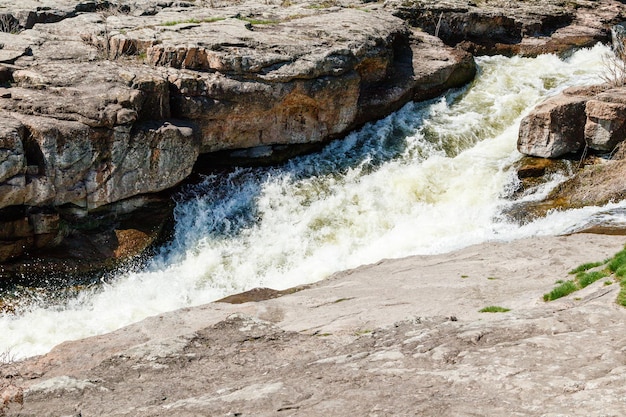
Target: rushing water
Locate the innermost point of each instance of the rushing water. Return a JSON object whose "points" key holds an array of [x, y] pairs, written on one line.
{"points": [[431, 178]]}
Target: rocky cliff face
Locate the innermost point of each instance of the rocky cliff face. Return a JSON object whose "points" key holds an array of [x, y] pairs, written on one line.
{"points": [[581, 122], [528, 27], [103, 102]]}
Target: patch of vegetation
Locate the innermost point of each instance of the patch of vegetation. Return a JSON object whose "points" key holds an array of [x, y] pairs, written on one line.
{"points": [[494, 309], [587, 278], [464, 276], [615, 265], [621, 297], [491, 278], [617, 262], [585, 267], [562, 290]]}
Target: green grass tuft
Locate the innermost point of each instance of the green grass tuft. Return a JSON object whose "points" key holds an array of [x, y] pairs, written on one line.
{"points": [[617, 261], [621, 297], [585, 267], [562, 290], [494, 309], [615, 265], [588, 278]]}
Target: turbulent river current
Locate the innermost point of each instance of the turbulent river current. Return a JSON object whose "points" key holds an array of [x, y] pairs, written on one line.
{"points": [[431, 178]]}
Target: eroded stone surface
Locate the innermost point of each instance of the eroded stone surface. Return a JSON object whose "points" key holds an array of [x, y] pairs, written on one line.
{"points": [[528, 27], [402, 337]]}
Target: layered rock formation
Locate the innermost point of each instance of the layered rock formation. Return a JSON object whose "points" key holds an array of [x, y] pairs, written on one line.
{"points": [[104, 102], [580, 122], [528, 27]]}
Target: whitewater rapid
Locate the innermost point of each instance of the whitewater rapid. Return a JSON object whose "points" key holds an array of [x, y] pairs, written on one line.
{"points": [[431, 178]]}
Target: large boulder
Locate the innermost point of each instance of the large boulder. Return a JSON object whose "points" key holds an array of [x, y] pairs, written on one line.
{"points": [[592, 117], [554, 128]]}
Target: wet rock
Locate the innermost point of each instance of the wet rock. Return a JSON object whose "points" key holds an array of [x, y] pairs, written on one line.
{"points": [[73, 246], [258, 294]]}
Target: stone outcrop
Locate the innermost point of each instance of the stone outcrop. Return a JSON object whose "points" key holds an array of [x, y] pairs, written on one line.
{"points": [[542, 133], [605, 126], [105, 101], [581, 122], [580, 117], [528, 27]]}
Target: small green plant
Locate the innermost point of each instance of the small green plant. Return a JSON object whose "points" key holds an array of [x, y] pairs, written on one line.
{"points": [[494, 309], [621, 297], [618, 260], [562, 290], [585, 267], [491, 278], [464, 276], [587, 278], [615, 265]]}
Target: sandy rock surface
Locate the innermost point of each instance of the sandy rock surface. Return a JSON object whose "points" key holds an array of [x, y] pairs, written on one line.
{"points": [[401, 337]]}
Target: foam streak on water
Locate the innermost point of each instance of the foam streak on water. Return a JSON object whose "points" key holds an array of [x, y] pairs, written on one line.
{"points": [[430, 178]]}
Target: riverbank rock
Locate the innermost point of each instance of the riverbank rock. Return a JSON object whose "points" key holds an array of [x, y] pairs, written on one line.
{"points": [[402, 337], [528, 27], [580, 122], [579, 118], [106, 101]]}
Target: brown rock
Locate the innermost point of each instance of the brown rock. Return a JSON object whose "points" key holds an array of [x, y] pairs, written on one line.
{"points": [[554, 128], [527, 28], [606, 115]]}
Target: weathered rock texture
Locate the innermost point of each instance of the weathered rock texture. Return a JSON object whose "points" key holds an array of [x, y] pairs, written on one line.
{"points": [[527, 27], [106, 101], [580, 117], [403, 337]]}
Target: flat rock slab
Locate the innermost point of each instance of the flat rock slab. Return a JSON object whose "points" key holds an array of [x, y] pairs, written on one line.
{"points": [[402, 337]]}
